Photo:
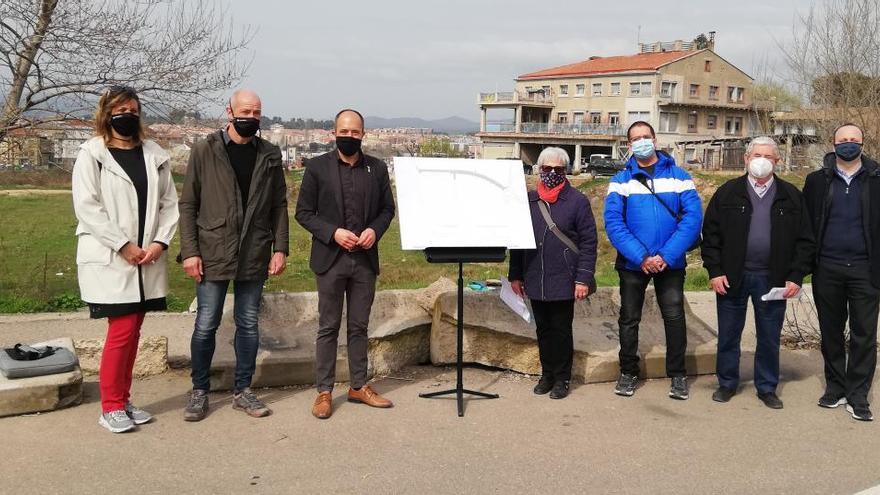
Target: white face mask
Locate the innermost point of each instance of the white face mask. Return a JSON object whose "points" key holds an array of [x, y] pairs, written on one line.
{"points": [[760, 167]]}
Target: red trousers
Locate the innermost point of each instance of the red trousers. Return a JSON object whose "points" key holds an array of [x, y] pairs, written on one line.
{"points": [[117, 360]]}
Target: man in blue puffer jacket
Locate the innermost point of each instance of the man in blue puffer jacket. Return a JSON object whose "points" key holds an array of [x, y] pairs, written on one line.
{"points": [[653, 217]]}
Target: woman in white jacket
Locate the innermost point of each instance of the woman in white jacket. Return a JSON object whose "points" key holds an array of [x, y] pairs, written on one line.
{"points": [[126, 204]]}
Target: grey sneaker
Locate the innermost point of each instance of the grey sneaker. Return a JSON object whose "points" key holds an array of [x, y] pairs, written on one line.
{"points": [[197, 407], [679, 389], [248, 402], [116, 421], [830, 400], [626, 385], [137, 415]]}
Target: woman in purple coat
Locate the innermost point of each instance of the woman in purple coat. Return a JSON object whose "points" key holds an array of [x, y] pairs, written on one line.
{"points": [[560, 270]]}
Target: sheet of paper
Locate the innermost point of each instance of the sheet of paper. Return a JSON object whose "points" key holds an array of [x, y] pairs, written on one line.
{"points": [[457, 202], [513, 301], [776, 293]]}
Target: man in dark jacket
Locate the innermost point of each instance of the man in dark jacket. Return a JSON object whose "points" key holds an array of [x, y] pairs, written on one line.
{"points": [[346, 203], [756, 236], [233, 227], [843, 199]]}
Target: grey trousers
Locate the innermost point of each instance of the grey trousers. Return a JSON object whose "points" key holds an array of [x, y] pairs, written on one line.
{"points": [[351, 279]]}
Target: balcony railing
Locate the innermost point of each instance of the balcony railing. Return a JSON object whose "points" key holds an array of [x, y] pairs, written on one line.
{"points": [[543, 97], [556, 128]]}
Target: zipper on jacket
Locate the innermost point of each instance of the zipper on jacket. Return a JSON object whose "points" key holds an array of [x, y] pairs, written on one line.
{"points": [[543, 241]]}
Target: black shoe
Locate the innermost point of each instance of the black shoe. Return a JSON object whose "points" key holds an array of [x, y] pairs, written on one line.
{"points": [[679, 388], [770, 400], [626, 385], [560, 390], [197, 406], [831, 400], [860, 412], [544, 385], [723, 394]]}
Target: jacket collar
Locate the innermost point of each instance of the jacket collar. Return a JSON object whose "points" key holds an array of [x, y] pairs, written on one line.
{"points": [[664, 161], [563, 194], [154, 155], [829, 163]]}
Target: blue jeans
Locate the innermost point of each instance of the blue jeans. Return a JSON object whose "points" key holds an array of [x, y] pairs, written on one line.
{"points": [[210, 296], [769, 316]]}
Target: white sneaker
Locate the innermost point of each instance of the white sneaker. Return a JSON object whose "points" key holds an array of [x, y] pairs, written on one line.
{"points": [[137, 415], [116, 421]]}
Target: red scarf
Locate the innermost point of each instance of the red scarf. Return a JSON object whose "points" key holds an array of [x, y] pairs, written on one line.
{"points": [[550, 195]]}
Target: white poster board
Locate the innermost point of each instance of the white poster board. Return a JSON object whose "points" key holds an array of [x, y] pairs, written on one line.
{"points": [[458, 202]]}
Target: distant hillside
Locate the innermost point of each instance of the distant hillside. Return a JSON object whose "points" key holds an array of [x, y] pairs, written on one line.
{"points": [[449, 125]]}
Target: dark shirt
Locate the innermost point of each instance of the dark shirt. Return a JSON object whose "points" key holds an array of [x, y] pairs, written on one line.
{"points": [[243, 158], [355, 180], [649, 170], [844, 242], [758, 243], [132, 162]]}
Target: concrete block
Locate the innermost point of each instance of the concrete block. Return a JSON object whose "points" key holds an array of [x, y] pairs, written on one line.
{"points": [[152, 357]]}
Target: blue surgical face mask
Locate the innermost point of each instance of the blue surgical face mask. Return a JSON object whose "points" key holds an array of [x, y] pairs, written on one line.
{"points": [[848, 151], [643, 148]]}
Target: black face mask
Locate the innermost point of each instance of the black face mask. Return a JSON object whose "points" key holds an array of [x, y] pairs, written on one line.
{"points": [[348, 145], [126, 124], [246, 126]]}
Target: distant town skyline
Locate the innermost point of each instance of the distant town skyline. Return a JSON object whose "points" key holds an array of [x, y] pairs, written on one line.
{"points": [[415, 59]]}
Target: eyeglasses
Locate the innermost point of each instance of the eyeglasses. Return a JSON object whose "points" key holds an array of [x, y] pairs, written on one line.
{"points": [[547, 169]]}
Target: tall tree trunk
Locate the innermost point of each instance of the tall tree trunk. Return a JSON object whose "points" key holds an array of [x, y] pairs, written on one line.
{"points": [[25, 62]]}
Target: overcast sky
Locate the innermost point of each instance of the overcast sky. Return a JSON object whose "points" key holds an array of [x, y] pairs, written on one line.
{"points": [[408, 58]]}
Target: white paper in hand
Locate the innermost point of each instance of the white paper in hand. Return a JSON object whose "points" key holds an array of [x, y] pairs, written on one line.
{"points": [[776, 293], [513, 301]]}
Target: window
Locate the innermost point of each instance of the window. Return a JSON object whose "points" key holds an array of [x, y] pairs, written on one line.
{"points": [[562, 117], [711, 121], [735, 94], [667, 89], [579, 90], [595, 117], [692, 122], [597, 89], [615, 89], [733, 126], [707, 66], [713, 92], [640, 89], [577, 117], [614, 118], [694, 91], [634, 116], [563, 90], [668, 122]]}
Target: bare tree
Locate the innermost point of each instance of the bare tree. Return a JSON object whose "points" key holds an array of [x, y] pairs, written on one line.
{"points": [[834, 63], [56, 55]]}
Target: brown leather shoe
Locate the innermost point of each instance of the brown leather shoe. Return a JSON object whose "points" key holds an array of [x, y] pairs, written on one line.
{"points": [[368, 396], [323, 407]]}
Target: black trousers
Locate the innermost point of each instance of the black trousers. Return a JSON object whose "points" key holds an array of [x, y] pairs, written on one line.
{"points": [[350, 280], [669, 287], [841, 293], [555, 342]]}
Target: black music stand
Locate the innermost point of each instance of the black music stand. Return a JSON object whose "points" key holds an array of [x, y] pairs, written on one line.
{"points": [[462, 256]]}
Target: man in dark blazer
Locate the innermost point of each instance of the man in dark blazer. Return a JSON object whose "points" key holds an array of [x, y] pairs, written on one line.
{"points": [[345, 201]]}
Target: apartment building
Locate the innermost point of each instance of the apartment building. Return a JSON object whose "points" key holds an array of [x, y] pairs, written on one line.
{"points": [[700, 104]]}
